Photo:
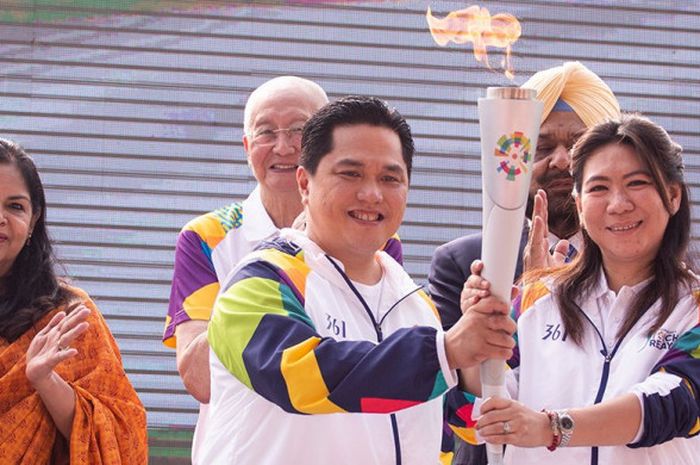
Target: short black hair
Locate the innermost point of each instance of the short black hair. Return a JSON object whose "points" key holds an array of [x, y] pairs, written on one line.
{"points": [[317, 139]]}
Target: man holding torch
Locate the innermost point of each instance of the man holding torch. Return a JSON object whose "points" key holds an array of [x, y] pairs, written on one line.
{"points": [[322, 348], [574, 99]]}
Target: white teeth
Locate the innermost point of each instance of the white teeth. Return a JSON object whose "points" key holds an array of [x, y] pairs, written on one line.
{"points": [[624, 228], [284, 167], [365, 216]]}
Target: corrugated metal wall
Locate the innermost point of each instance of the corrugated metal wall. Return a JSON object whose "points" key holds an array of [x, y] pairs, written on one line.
{"points": [[133, 111]]}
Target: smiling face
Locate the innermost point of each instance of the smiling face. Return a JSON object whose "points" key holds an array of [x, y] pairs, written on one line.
{"points": [[16, 216], [621, 209], [356, 199], [282, 107]]}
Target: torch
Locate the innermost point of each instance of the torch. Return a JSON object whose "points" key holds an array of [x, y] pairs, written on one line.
{"points": [[509, 121]]}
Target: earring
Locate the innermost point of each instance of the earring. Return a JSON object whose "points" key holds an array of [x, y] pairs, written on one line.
{"points": [[29, 240]]}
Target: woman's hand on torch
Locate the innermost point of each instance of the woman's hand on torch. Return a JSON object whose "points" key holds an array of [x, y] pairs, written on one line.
{"points": [[505, 421], [483, 332], [477, 288]]}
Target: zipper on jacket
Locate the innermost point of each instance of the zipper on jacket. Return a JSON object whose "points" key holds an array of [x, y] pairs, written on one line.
{"points": [[604, 376], [380, 337], [378, 330], [397, 442], [605, 373], [396, 304], [376, 324]]}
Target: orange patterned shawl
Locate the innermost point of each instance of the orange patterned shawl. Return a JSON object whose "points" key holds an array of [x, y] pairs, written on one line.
{"points": [[109, 426]]}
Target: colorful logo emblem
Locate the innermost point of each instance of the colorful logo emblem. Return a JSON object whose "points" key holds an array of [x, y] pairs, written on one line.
{"points": [[515, 151]]}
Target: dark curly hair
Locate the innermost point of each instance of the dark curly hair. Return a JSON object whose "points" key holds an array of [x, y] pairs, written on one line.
{"points": [[31, 288]]}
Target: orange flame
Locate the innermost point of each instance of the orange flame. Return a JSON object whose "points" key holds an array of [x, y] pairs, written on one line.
{"points": [[476, 25]]}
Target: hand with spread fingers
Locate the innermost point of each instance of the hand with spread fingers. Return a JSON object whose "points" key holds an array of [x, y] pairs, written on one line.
{"points": [[537, 251], [52, 345], [505, 421]]}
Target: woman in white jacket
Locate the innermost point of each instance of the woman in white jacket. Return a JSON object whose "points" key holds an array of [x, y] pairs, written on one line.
{"points": [[607, 367]]}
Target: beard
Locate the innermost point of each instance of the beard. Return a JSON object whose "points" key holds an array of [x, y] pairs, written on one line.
{"points": [[563, 217]]}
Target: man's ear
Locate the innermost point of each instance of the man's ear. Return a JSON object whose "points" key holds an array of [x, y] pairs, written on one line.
{"points": [[246, 147], [303, 183]]}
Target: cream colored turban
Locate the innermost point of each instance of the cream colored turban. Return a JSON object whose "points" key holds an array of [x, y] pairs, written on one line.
{"points": [[579, 87]]}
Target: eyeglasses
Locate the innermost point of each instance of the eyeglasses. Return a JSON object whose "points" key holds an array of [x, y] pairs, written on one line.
{"points": [[270, 136]]}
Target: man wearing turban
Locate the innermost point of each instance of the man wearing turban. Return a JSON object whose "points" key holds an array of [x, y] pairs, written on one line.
{"points": [[574, 99]]}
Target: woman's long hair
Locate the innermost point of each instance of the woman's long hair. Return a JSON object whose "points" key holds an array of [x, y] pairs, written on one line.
{"points": [[671, 266], [31, 288]]}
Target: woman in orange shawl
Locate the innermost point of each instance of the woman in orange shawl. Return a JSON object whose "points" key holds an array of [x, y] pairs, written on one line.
{"points": [[64, 396]]}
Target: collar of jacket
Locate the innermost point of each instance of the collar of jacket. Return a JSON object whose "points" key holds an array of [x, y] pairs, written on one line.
{"points": [[398, 283]]}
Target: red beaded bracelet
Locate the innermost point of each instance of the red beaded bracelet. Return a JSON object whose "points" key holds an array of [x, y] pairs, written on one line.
{"points": [[556, 434]]}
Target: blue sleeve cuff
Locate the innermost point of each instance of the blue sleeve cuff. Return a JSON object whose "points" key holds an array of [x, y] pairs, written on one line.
{"points": [[668, 415]]}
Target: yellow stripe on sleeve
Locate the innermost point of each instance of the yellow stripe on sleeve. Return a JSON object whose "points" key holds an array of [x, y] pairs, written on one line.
{"points": [[467, 435], [169, 342], [446, 458], [208, 227], [198, 305], [695, 428], [430, 303], [293, 266], [307, 390], [531, 294]]}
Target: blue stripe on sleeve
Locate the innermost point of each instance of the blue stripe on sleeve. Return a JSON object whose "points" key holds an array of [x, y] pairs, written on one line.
{"points": [[668, 417]]}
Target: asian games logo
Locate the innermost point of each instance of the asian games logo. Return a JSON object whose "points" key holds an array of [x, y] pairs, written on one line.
{"points": [[515, 151]]}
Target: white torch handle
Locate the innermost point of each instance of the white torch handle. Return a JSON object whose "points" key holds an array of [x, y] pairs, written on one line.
{"points": [[509, 126], [501, 241], [494, 452]]}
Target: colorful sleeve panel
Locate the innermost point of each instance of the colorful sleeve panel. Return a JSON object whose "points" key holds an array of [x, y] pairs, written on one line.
{"points": [[675, 412], [458, 408], [262, 334], [523, 302], [394, 249], [458, 414], [195, 284], [527, 298]]}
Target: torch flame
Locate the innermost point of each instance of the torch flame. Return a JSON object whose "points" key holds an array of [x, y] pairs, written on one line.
{"points": [[476, 25]]}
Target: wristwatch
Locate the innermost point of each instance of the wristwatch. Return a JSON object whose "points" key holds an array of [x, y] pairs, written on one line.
{"points": [[566, 426]]}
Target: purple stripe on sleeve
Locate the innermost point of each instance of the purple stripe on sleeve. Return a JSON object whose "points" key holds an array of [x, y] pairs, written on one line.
{"points": [[393, 248], [193, 271]]}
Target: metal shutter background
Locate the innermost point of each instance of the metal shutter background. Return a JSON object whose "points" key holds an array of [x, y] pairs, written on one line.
{"points": [[133, 111]]}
